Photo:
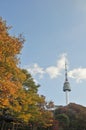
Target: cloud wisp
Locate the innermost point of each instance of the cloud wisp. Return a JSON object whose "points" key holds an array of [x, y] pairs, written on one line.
{"points": [[35, 69], [78, 74], [55, 71], [52, 71]]}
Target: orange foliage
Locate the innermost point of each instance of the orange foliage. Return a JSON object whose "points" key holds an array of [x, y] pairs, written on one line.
{"points": [[11, 76]]}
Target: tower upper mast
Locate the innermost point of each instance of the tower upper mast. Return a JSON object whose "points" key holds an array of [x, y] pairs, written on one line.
{"points": [[66, 78]]}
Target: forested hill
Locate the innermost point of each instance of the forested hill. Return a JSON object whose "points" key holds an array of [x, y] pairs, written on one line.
{"points": [[76, 107], [73, 116]]}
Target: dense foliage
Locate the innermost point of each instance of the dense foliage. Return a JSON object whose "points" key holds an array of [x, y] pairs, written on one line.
{"points": [[71, 117]]}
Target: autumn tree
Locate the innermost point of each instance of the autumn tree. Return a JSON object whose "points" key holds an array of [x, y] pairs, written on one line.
{"points": [[19, 100], [11, 76]]}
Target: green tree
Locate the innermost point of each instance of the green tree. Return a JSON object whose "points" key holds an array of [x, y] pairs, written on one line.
{"points": [[37, 105], [63, 120]]}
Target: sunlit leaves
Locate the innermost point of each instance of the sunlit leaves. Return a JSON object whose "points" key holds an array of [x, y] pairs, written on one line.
{"points": [[11, 76]]}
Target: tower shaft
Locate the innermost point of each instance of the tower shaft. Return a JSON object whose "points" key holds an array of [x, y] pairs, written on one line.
{"points": [[67, 97]]}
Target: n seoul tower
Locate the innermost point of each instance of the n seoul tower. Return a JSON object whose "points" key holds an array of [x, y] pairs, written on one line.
{"points": [[66, 86]]}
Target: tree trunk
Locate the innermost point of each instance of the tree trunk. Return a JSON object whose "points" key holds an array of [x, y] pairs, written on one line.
{"points": [[3, 124]]}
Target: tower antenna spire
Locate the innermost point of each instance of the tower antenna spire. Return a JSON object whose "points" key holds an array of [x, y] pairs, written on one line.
{"points": [[66, 76]]}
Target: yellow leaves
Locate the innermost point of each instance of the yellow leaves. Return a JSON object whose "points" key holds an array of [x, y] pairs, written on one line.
{"points": [[16, 107], [25, 117], [5, 102], [10, 75], [10, 46], [8, 88]]}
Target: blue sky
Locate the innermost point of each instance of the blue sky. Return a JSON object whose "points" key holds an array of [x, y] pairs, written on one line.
{"points": [[54, 30]]}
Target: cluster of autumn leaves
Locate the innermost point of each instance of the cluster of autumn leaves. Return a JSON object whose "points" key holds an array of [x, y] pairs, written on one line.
{"points": [[18, 91]]}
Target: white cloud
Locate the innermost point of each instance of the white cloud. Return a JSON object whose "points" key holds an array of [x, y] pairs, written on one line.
{"points": [[61, 62], [55, 71], [35, 69], [78, 74], [52, 71]]}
